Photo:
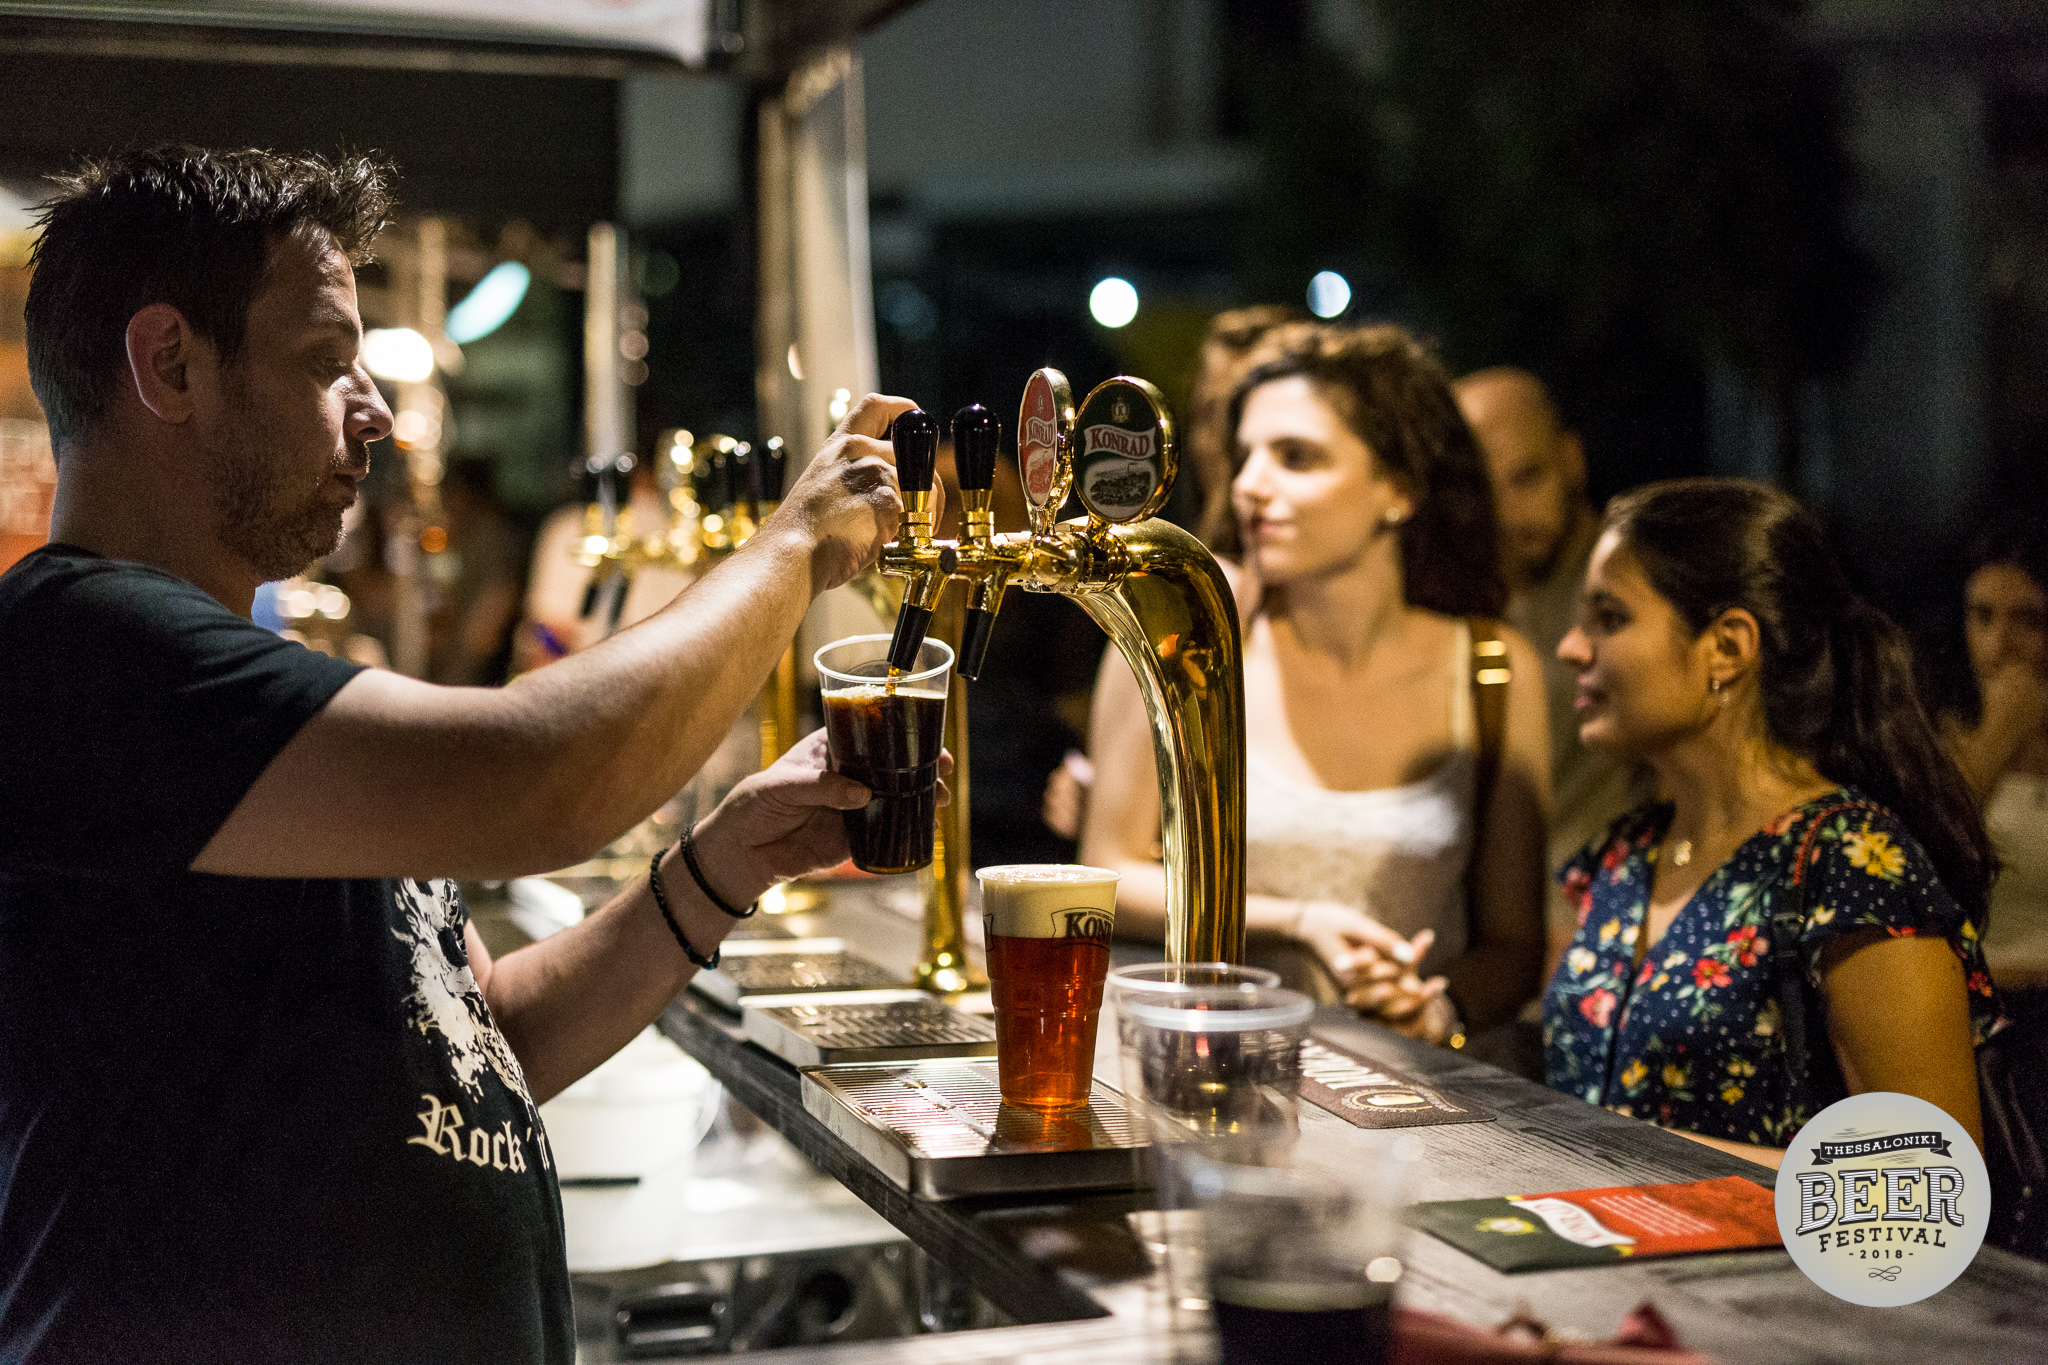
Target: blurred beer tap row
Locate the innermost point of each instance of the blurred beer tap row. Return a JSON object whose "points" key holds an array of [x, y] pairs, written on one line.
{"points": [[716, 491]]}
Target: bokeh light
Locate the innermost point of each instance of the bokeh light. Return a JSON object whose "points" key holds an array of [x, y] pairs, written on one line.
{"points": [[1328, 294], [1113, 302]]}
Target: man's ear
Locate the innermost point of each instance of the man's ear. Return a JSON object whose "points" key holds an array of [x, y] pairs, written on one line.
{"points": [[1571, 454], [163, 353]]}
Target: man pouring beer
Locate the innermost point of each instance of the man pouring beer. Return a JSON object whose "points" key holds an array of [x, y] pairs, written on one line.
{"points": [[263, 1094]]}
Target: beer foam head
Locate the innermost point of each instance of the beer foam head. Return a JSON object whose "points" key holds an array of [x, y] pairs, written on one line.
{"points": [[874, 692], [1048, 900]]}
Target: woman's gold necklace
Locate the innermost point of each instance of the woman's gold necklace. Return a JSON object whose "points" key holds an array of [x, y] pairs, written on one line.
{"points": [[1682, 854]]}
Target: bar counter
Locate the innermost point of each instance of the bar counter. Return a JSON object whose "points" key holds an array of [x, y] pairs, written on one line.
{"points": [[1071, 1272]]}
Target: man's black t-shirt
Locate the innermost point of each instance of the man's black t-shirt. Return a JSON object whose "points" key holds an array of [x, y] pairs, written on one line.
{"points": [[240, 1118]]}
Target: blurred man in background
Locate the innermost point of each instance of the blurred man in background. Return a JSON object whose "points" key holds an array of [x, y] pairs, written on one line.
{"points": [[1547, 525]]}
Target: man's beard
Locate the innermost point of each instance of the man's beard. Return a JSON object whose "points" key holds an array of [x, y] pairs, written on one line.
{"points": [[261, 511]]}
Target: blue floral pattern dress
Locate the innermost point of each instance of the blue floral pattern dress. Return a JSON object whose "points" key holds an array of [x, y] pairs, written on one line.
{"points": [[1691, 1038]]}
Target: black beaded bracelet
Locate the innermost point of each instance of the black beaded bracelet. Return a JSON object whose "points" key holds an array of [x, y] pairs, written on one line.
{"points": [[661, 902], [689, 847]]}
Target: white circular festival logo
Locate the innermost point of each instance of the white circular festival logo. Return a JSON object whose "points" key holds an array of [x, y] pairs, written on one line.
{"points": [[1883, 1199]]}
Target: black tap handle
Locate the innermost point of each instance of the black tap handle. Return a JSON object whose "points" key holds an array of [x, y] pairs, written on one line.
{"points": [[976, 440], [597, 580], [621, 585], [704, 478], [773, 457], [912, 624], [915, 435], [750, 475], [974, 636], [618, 475], [725, 486]]}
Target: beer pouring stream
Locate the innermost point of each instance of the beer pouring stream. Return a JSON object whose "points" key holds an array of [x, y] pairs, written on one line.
{"points": [[1154, 589]]}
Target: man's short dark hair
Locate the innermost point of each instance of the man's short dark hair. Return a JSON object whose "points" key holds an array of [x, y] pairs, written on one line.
{"points": [[181, 226]]}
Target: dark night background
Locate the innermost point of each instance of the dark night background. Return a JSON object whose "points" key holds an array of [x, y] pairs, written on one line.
{"points": [[1800, 241]]}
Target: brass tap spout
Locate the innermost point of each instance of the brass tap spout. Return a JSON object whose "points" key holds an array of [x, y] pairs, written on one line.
{"points": [[607, 532], [924, 564], [977, 440]]}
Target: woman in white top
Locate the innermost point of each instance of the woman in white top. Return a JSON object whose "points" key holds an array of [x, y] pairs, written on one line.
{"points": [[1366, 535], [2003, 752]]}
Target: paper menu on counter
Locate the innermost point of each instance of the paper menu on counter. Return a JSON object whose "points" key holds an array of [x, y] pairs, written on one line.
{"points": [[1600, 1227]]}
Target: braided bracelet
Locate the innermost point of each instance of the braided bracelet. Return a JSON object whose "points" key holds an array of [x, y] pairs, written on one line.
{"points": [[661, 902], [688, 844]]}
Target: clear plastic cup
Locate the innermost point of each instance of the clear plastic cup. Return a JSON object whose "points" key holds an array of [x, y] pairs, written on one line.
{"points": [[1164, 983], [887, 734], [1219, 1065]]}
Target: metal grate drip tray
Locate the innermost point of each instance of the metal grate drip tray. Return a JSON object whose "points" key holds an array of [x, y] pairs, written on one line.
{"points": [[940, 1130], [791, 967], [867, 1026]]}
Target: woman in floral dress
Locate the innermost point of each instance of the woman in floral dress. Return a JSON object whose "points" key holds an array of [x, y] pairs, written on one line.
{"points": [[1720, 643]]}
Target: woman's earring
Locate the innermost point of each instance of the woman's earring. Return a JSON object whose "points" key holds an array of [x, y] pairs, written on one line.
{"points": [[1717, 692], [1393, 518]]}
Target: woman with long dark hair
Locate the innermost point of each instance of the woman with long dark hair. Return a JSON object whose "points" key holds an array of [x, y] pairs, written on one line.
{"points": [[1367, 582], [1720, 643]]}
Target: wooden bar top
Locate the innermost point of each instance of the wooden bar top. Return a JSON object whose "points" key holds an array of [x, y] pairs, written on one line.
{"points": [[1072, 1271]]}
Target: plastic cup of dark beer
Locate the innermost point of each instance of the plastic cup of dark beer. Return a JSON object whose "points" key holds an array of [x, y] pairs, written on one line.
{"points": [[1301, 1268], [1048, 927], [887, 734]]}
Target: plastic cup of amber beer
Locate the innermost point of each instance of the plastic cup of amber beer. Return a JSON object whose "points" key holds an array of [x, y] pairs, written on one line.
{"points": [[887, 733], [1048, 927]]}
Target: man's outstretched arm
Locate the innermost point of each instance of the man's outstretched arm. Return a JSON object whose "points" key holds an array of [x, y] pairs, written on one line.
{"points": [[573, 999], [396, 777]]}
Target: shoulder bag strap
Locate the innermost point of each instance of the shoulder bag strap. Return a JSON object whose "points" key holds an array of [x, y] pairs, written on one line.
{"points": [[1491, 674], [1788, 921]]}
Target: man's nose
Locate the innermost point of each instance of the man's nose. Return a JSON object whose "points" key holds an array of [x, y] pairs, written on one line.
{"points": [[369, 419]]}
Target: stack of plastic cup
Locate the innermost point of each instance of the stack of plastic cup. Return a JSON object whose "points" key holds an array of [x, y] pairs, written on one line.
{"points": [[1211, 1056]]}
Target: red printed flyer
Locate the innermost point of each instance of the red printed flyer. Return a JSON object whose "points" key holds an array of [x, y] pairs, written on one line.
{"points": [[1599, 1227]]}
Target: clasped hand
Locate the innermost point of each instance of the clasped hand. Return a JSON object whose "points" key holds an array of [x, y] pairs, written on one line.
{"points": [[1378, 969]]}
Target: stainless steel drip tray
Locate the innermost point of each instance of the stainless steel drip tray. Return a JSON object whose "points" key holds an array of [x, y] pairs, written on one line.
{"points": [[790, 966], [940, 1130], [831, 1029]]}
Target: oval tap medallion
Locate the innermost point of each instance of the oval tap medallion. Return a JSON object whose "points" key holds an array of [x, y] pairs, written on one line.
{"points": [[1045, 423], [1125, 457]]}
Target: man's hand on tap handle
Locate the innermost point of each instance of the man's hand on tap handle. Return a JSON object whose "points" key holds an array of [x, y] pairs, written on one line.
{"points": [[784, 821], [846, 503]]}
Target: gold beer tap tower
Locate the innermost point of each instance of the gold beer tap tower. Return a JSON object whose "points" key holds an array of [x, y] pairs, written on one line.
{"points": [[1152, 587]]}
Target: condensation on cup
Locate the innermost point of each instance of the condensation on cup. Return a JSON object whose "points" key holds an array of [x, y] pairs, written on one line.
{"points": [[1048, 927]]}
